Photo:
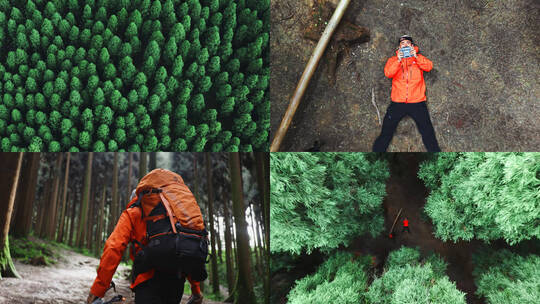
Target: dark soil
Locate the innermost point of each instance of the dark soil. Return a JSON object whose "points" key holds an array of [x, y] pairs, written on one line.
{"points": [[482, 93]]}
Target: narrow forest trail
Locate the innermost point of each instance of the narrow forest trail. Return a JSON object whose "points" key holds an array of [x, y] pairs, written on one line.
{"points": [[67, 281], [405, 190]]}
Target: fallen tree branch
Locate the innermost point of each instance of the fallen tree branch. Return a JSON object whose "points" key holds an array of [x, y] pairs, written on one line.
{"points": [[375, 105], [395, 221], [308, 72]]}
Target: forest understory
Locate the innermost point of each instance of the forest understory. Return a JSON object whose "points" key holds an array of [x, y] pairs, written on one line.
{"points": [[405, 191]]}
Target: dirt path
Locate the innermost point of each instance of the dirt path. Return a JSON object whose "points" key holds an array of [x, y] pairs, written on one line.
{"points": [[67, 281], [405, 190]]}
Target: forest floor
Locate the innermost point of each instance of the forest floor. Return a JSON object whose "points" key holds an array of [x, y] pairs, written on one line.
{"points": [[66, 281], [482, 92]]}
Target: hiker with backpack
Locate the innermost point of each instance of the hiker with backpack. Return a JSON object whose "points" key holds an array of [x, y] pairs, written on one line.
{"points": [[408, 95], [164, 224]]}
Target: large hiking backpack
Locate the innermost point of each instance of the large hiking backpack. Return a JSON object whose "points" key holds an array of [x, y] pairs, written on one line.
{"points": [[177, 238]]}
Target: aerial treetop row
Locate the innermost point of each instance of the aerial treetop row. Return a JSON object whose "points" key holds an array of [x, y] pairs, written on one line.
{"points": [[136, 75]]}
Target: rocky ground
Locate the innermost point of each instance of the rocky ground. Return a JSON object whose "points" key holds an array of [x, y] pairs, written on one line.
{"points": [[483, 92]]}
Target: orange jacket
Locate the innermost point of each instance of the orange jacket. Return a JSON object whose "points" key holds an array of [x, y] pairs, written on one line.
{"points": [[129, 227], [408, 84]]}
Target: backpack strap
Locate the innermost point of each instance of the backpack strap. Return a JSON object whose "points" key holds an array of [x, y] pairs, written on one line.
{"points": [[169, 210]]}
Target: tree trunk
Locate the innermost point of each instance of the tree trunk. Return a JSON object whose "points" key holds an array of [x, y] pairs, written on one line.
{"points": [[41, 231], [64, 197], [142, 164], [99, 243], [10, 169], [153, 161], [256, 240], [130, 164], [196, 193], [218, 236], [215, 275], [114, 204], [263, 181], [85, 199], [72, 220], [91, 217], [51, 219], [228, 247], [27, 195], [244, 285]]}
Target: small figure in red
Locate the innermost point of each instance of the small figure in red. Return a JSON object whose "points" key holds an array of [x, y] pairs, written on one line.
{"points": [[406, 226]]}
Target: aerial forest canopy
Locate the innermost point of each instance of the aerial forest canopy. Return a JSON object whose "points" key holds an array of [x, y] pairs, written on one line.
{"points": [[486, 196], [406, 279], [322, 200], [134, 75]]}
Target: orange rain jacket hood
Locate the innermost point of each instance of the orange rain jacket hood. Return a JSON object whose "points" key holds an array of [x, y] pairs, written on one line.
{"points": [[130, 226], [408, 84]]}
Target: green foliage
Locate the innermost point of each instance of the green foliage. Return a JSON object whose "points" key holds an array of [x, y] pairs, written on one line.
{"points": [[412, 280], [34, 252], [484, 195], [505, 277], [62, 57], [311, 193], [342, 278]]}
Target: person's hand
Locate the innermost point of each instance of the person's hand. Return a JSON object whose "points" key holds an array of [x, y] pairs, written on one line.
{"points": [[91, 298], [399, 55], [413, 52]]}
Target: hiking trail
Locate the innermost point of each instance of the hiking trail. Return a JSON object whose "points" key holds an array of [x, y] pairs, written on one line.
{"points": [[67, 281]]}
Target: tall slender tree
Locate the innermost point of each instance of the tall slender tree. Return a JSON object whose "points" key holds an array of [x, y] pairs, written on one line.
{"points": [[51, 218], [115, 202], [142, 164], [130, 164], [99, 234], [228, 241], [215, 275], [153, 161], [10, 168], [72, 221], [85, 199], [243, 292], [64, 196], [27, 192]]}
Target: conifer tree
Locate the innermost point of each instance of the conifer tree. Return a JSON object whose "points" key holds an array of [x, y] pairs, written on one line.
{"points": [[483, 195], [312, 193]]}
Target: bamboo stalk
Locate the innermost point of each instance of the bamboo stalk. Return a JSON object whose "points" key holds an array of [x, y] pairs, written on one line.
{"points": [[395, 221], [308, 73]]}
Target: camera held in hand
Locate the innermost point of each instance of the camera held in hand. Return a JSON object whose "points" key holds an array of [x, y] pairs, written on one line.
{"points": [[406, 51]]}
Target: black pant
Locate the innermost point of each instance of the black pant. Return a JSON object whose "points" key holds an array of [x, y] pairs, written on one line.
{"points": [[395, 112], [405, 228], [160, 289]]}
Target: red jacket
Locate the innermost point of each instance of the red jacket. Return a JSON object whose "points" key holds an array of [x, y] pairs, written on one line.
{"points": [[408, 84], [405, 223], [129, 227]]}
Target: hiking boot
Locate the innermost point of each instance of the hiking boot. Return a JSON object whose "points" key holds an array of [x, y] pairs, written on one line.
{"points": [[195, 299]]}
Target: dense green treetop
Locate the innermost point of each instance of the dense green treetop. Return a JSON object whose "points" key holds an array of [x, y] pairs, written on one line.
{"points": [[63, 57], [487, 196], [322, 200], [505, 277]]}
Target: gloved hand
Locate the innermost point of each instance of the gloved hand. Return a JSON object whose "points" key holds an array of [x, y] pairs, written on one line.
{"points": [[91, 298]]}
